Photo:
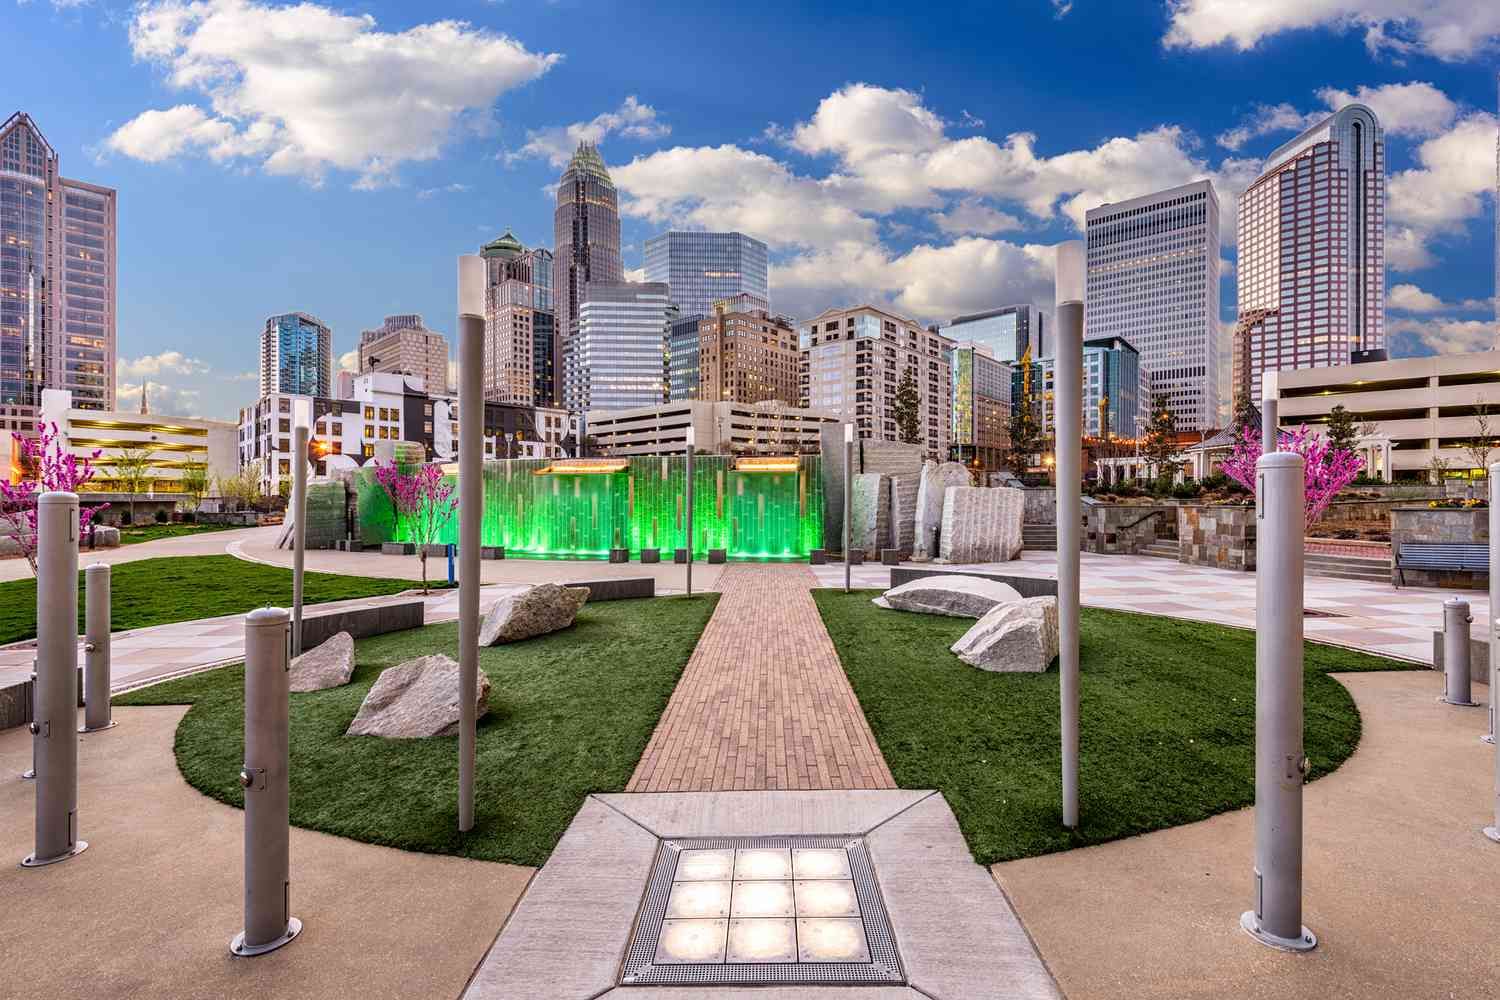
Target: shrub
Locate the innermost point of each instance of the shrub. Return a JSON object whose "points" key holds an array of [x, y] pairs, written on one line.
{"points": [[1187, 490], [162, 517]]}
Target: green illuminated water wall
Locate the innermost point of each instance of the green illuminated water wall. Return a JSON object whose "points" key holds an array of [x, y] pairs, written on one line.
{"points": [[753, 515]]}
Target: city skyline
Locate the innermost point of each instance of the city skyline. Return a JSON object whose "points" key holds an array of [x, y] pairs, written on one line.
{"points": [[933, 197]]}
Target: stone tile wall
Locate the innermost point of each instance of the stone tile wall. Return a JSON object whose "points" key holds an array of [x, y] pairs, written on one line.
{"points": [[1222, 536], [1423, 524]]}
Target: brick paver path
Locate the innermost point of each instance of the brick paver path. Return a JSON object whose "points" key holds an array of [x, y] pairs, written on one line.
{"points": [[763, 703]]}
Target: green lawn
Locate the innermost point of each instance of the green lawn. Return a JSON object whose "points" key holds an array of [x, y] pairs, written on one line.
{"points": [[135, 534], [570, 713], [1167, 722], [181, 588]]}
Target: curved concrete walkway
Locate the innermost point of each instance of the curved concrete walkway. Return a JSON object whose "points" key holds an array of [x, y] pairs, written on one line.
{"points": [[149, 908], [1399, 884], [209, 543]]}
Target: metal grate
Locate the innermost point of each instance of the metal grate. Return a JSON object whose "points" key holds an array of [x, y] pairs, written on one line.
{"points": [[883, 966]]}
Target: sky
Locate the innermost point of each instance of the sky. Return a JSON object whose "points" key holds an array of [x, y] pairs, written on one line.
{"points": [[336, 159]]}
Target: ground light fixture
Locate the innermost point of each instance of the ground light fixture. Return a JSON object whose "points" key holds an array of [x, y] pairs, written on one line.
{"points": [[691, 441], [848, 501]]}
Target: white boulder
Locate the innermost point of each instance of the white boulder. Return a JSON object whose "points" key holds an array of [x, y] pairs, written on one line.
{"points": [[327, 665], [416, 699], [928, 516], [546, 607], [956, 595], [981, 524], [1020, 637]]}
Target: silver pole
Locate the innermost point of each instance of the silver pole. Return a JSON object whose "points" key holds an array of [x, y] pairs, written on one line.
{"points": [[96, 712], [1069, 424], [1070, 278], [266, 779], [848, 502], [1493, 832], [1280, 765], [471, 281], [1494, 659], [690, 449], [54, 726], [1456, 686], [300, 435]]}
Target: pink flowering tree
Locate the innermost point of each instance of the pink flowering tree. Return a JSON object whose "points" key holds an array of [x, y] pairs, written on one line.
{"points": [[423, 501], [1327, 469], [46, 466]]}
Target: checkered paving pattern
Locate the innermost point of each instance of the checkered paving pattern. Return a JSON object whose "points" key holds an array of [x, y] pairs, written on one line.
{"points": [[1373, 617], [763, 702]]}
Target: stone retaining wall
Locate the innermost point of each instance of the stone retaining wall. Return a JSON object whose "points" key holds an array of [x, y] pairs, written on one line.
{"points": [[1411, 525], [1222, 536], [1041, 506], [1115, 529]]}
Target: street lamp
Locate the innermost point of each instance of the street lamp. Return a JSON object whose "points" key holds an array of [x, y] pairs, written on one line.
{"points": [[471, 282]]}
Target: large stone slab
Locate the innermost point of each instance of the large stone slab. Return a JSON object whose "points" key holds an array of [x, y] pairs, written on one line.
{"points": [[870, 506], [956, 596], [981, 524], [927, 518], [327, 665], [546, 607], [416, 699], [1020, 637]]}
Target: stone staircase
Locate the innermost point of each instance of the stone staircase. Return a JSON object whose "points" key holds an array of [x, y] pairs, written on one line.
{"points": [[1376, 570], [1162, 548], [1039, 537]]}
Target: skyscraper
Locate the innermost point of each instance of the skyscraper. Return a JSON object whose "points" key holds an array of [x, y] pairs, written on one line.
{"points": [[1006, 332], [57, 280], [1153, 280], [519, 326], [296, 356], [404, 345], [981, 406], [1311, 233], [617, 356], [704, 268], [586, 239], [746, 355]]}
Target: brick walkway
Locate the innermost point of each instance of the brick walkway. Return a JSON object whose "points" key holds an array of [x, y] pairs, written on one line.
{"points": [[763, 703]]}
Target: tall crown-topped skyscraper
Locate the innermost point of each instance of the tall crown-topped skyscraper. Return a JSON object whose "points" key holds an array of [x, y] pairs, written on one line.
{"points": [[586, 243]]}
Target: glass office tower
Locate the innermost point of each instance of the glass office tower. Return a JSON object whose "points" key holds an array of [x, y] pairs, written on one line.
{"points": [[586, 240], [1006, 333], [296, 356], [617, 356], [704, 268]]}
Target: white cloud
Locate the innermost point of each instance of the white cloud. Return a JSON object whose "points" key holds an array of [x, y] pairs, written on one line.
{"points": [[349, 362], [1267, 119], [1412, 299], [1060, 8], [305, 89], [971, 215], [167, 400], [635, 274], [1447, 29], [1438, 198], [1421, 337], [165, 363], [1404, 109], [432, 192], [556, 144]]}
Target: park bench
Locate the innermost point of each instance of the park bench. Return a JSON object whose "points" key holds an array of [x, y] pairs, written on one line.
{"points": [[1449, 557]]}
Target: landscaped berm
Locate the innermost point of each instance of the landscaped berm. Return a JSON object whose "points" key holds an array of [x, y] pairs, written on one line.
{"points": [[1167, 722], [569, 714]]}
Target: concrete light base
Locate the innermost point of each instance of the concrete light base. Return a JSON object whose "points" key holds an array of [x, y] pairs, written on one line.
{"points": [[890, 557], [1458, 704], [650, 555], [238, 947], [817, 557], [492, 552], [397, 549], [98, 729], [619, 555], [1307, 941], [680, 556], [717, 556], [434, 550]]}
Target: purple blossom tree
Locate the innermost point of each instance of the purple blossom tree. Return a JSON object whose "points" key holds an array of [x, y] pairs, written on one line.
{"points": [[423, 501], [1327, 469], [46, 466]]}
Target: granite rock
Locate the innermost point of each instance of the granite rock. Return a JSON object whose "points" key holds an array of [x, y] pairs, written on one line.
{"points": [[928, 514], [981, 524], [327, 665], [416, 699], [1020, 637], [957, 596], [537, 610]]}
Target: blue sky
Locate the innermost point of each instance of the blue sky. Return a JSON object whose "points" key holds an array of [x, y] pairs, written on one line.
{"points": [[335, 159]]}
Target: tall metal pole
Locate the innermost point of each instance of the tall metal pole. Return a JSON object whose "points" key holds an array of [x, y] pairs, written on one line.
{"points": [[1494, 665], [300, 435], [848, 503], [1280, 766], [691, 441], [96, 711], [266, 779], [1068, 414], [1270, 415], [471, 281], [54, 726]]}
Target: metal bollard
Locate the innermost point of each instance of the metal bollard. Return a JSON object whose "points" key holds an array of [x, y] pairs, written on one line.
{"points": [[300, 435], [265, 777], [54, 726], [1494, 668], [96, 616], [1456, 682], [1280, 765]]}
